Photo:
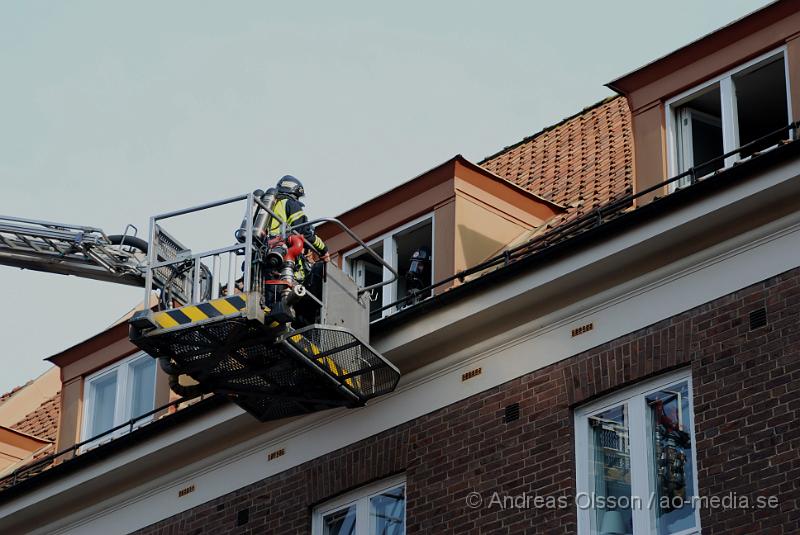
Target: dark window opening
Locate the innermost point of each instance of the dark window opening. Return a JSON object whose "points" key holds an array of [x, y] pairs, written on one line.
{"points": [[699, 132], [410, 252], [761, 105], [414, 262]]}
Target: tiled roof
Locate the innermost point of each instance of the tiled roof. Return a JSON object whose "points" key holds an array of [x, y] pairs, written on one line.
{"points": [[581, 163], [43, 422]]}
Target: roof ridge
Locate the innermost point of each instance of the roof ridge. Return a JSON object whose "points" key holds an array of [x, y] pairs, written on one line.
{"points": [[7, 395], [551, 127]]}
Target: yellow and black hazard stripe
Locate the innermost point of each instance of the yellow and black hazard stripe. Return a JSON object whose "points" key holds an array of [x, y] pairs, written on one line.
{"points": [[326, 362], [192, 313]]}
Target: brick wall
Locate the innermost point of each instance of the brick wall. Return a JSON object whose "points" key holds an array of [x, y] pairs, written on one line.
{"points": [[747, 403]]}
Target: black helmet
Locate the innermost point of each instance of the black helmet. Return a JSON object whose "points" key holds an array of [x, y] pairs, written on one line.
{"points": [[289, 185]]}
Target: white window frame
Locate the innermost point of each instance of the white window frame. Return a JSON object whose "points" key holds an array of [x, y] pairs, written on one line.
{"points": [[123, 400], [361, 499], [389, 242], [634, 396], [730, 126]]}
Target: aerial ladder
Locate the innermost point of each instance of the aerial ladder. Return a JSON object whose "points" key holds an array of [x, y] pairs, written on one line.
{"points": [[224, 320]]}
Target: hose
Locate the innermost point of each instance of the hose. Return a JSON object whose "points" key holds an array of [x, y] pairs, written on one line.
{"points": [[128, 241], [187, 391]]}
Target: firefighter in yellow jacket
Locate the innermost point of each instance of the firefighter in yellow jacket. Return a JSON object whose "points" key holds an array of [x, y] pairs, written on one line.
{"points": [[289, 208]]}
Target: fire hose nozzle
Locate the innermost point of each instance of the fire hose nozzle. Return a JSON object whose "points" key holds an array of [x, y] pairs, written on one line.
{"points": [[295, 294]]}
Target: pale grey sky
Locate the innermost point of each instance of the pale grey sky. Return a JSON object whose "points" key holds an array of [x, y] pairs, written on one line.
{"points": [[111, 111]]}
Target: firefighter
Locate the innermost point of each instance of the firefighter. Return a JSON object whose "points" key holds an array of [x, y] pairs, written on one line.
{"points": [[289, 208]]}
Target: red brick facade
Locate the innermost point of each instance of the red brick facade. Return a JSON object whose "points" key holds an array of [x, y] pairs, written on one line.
{"points": [[747, 402]]}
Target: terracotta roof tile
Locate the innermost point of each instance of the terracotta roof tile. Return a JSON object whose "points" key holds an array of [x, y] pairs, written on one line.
{"points": [[583, 162], [43, 422]]}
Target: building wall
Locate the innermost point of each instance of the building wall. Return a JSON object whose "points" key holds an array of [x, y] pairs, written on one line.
{"points": [[746, 385]]}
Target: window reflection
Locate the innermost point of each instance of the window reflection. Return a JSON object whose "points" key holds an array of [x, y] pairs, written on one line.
{"points": [[388, 512], [341, 522], [671, 458], [105, 396], [611, 471]]}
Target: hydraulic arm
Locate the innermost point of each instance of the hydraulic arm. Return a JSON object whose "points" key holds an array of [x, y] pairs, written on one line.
{"points": [[72, 250]]}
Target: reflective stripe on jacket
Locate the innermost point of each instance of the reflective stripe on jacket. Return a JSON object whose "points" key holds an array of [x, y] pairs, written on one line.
{"points": [[290, 210]]}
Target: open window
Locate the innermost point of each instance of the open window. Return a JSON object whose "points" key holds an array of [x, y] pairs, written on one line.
{"points": [[746, 107], [408, 249], [367, 271], [118, 394], [699, 132], [414, 262]]}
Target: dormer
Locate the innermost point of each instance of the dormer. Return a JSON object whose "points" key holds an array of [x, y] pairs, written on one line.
{"points": [[459, 212], [717, 101], [107, 382]]}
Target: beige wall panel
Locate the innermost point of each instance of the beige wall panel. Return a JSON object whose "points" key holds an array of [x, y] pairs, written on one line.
{"points": [[500, 206], [71, 412], [480, 232], [444, 248], [650, 151], [99, 359]]}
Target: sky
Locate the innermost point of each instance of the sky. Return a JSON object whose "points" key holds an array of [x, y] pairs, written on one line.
{"points": [[111, 112]]}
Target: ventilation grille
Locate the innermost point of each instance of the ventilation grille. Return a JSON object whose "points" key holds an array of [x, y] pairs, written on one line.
{"points": [[577, 331], [758, 318], [275, 454], [243, 517], [511, 413], [466, 376]]}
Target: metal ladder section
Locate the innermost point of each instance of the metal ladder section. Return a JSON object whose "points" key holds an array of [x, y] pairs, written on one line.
{"points": [[71, 250]]}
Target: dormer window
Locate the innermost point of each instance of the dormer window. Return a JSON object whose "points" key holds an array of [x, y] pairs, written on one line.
{"points": [[747, 105], [117, 394], [397, 248], [432, 228]]}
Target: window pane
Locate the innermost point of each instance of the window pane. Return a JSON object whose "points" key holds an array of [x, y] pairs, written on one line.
{"points": [[761, 104], [414, 262], [104, 399], [388, 512], [672, 474], [342, 522], [367, 271], [699, 133], [610, 471], [144, 379]]}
